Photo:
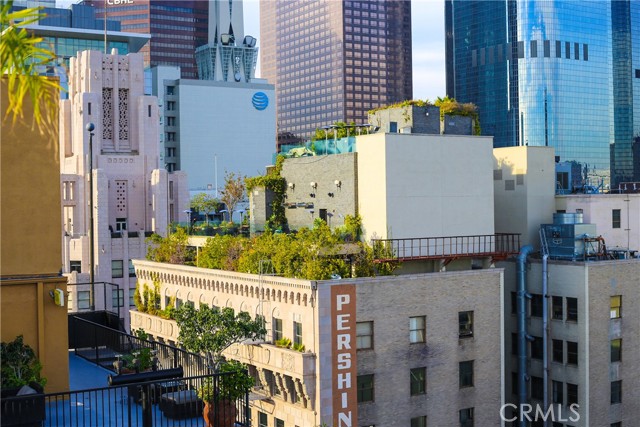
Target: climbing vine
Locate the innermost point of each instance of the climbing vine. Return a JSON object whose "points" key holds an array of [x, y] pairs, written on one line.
{"points": [[274, 182]]}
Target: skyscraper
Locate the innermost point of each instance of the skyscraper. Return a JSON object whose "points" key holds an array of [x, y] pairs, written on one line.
{"points": [[334, 60], [555, 73], [177, 28]]}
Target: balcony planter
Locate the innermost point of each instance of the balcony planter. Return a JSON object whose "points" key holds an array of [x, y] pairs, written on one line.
{"points": [[25, 410], [224, 416]]}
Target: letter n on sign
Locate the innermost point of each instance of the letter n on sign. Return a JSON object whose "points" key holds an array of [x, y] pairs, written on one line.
{"points": [[344, 369]]}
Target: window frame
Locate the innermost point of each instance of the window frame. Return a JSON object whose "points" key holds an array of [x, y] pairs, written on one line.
{"points": [[466, 417], [83, 299], [366, 394], [615, 352], [362, 338], [117, 297], [572, 394], [420, 421], [572, 356], [615, 307], [117, 272], [465, 328], [418, 381], [466, 374], [418, 333], [75, 265], [557, 302], [276, 329], [616, 218], [616, 392], [297, 332], [557, 349], [536, 305], [557, 392], [572, 312], [132, 269]]}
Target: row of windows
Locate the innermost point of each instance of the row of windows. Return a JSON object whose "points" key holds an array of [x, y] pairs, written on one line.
{"points": [[496, 54], [559, 309]]}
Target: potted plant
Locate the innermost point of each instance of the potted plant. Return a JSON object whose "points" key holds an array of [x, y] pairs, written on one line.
{"points": [[220, 404], [142, 359], [20, 375]]}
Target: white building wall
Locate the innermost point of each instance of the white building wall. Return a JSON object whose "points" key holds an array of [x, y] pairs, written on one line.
{"points": [[218, 120], [598, 209], [524, 188], [425, 185]]}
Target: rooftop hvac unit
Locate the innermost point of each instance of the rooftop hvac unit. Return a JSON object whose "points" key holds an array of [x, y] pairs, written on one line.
{"points": [[565, 236]]}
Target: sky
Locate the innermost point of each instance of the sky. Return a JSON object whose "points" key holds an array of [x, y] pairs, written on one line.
{"points": [[427, 24]]}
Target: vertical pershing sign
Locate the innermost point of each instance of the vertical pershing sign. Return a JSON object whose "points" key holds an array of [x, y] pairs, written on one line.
{"points": [[343, 315]]}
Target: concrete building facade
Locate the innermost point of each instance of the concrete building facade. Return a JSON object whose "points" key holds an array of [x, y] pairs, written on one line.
{"points": [[133, 195], [213, 127], [412, 362]]}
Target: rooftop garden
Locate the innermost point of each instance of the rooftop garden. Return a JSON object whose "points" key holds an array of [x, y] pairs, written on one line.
{"points": [[316, 253]]}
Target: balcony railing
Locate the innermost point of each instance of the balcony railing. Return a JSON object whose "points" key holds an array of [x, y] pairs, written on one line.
{"points": [[144, 404], [497, 246]]}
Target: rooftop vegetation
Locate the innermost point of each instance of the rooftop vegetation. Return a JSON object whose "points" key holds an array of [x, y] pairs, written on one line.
{"points": [[316, 253]]}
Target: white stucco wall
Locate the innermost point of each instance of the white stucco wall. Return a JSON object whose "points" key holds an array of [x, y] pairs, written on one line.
{"points": [[425, 185], [218, 119]]}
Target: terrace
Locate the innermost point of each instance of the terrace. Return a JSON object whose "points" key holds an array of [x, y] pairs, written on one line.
{"points": [[99, 397]]}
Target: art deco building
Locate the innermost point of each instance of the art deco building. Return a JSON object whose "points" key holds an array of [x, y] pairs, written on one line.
{"points": [[564, 74], [333, 61]]}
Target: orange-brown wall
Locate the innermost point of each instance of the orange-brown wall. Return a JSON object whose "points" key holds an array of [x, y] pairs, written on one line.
{"points": [[30, 243]]}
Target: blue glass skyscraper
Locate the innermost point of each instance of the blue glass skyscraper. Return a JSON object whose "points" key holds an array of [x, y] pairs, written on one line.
{"points": [[554, 73]]}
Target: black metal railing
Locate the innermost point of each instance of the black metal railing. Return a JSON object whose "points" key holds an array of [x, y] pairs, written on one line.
{"points": [[103, 346], [151, 403], [105, 304], [495, 245]]}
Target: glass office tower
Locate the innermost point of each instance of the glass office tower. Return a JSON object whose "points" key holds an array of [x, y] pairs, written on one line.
{"points": [[334, 60], [554, 73]]}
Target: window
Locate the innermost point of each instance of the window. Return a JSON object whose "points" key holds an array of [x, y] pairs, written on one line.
{"points": [[75, 266], [616, 306], [121, 224], [536, 348], [514, 303], [89, 108], [116, 269], [616, 350], [364, 335], [465, 373], [616, 392], [547, 48], [572, 394], [558, 351], [262, 419], [534, 48], [572, 353], [465, 324], [170, 90], [277, 329], [417, 331], [615, 218], [466, 417], [536, 305], [557, 392], [132, 292], [297, 333], [365, 388], [618, 424], [514, 344], [537, 388], [418, 381], [132, 269], [572, 309], [557, 311], [117, 298], [393, 127], [83, 300], [514, 383], [277, 422], [419, 421]]}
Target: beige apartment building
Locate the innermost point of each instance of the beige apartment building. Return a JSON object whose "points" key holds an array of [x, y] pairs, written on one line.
{"points": [[423, 348]]}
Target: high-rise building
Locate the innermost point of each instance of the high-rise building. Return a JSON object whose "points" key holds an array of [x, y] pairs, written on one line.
{"points": [[177, 28], [563, 73], [333, 61]]}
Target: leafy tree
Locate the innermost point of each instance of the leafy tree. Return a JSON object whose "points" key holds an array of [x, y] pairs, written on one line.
{"points": [[21, 57], [209, 331], [172, 249], [340, 130], [222, 252], [19, 366], [233, 192], [203, 202]]}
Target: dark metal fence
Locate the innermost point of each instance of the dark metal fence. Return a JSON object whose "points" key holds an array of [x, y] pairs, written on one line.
{"points": [[103, 346], [494, 245], [152, 403]]}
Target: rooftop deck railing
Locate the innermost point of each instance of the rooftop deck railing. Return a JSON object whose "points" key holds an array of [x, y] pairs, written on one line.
{"points": [[497, 246], [145, 404], [103, 346]]}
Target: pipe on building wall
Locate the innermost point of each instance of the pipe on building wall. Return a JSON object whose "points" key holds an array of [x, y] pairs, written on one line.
{"points": [[522, 328], [545, 335]]}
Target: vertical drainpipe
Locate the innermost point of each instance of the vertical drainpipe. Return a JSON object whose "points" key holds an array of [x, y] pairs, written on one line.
{"points": [[522, 329], [545, 337]]}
